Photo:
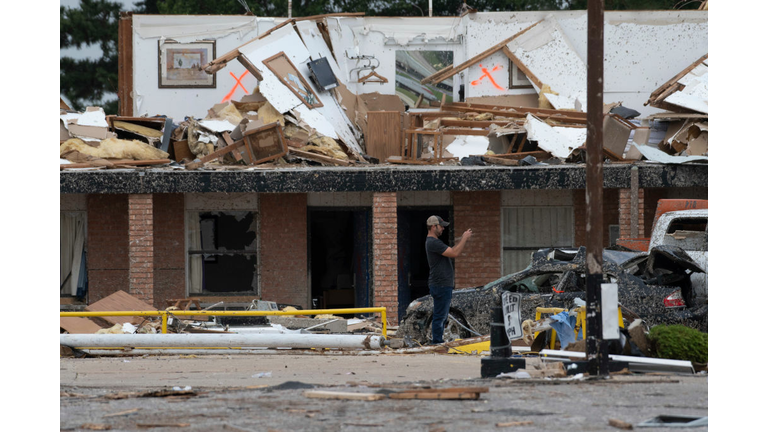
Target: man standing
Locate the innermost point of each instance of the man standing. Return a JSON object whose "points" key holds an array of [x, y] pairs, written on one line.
{"points": [[441, 273]]}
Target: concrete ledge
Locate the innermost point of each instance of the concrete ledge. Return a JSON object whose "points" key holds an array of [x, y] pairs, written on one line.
{"points": [[375, 178]]}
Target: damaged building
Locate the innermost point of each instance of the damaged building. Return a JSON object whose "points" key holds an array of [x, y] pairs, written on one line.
{"points": [[297, 160]]}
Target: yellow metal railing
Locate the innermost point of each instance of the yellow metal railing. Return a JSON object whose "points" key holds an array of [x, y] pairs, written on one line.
{"points": [[166, 313]]}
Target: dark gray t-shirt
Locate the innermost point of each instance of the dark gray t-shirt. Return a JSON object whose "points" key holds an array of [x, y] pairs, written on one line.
{"points": [[440, 267]]}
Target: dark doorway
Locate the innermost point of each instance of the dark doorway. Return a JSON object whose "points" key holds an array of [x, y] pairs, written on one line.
{"points": [[339, 257], [413, 269]]}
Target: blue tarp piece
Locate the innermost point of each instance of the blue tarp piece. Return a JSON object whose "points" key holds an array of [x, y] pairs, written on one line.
{"points": [[563, 323]]}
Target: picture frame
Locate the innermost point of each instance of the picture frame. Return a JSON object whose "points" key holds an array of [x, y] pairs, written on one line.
{"points": [[286, 72], [179, 64]]}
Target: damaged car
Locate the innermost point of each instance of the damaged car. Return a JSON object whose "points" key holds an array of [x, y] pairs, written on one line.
{"points": [[654, 286]]}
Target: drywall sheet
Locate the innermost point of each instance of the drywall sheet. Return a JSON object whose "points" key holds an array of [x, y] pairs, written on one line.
{"points": [[560, 141], [328, 119], [656, 155], [695, 95], [551, 58], [468, 145]]}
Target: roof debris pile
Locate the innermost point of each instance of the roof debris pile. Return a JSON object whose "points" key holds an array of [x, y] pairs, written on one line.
{"points": [[685, 97], [302, 113]]}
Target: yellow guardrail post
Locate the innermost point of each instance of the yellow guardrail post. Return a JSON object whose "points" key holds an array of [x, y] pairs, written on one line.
{"points": [[165, 314]]}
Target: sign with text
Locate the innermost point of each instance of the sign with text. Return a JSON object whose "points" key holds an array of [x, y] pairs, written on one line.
{"points": [[510, 307]]}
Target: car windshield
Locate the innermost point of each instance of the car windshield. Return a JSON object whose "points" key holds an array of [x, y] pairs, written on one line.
{"points": [[540, 283]]}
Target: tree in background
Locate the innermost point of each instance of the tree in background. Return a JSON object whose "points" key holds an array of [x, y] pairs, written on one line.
{"points": [[86, 82]]}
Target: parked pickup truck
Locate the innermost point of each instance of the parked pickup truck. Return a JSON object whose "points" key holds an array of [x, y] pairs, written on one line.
{"points": [[688, 230]]}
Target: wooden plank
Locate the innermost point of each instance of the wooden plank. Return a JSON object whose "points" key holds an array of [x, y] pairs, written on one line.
{"points": [[443, 75], [464, 131], [500, 161], [322, 394], [78, 325], [531, 77], [228, 139], [383, 137], [564, 116], [518, 109], [517, 156], [215, 155]]}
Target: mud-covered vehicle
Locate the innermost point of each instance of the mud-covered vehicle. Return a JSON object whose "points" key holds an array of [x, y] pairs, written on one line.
{"points": [[649, 287]]}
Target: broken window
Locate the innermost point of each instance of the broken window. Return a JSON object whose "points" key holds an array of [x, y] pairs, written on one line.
{"points": [[412, 67], [73, 275], [528, 229], [222, 252], [688, 234]]}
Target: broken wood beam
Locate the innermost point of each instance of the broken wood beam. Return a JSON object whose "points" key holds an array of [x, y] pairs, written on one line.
{"points": [[500, 161], [517, 156], [228, 139], [512, 57], [213, 156]]}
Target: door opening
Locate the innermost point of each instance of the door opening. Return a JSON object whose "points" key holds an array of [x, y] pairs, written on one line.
{"points": [[413, 268], [339, 252]]}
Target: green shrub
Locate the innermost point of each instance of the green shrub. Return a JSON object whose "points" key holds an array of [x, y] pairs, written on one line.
{"points": [[678, 342]]}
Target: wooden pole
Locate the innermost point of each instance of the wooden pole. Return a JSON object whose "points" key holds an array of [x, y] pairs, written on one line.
{"points": [[597, 348]]}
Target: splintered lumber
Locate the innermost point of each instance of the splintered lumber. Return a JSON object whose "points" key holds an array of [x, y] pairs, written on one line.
{"points": [[515, 423], [320, 158], [321, 394], [443, 394]]}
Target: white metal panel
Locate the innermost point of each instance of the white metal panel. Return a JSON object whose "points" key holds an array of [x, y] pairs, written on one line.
{"points": [[531, 228]]}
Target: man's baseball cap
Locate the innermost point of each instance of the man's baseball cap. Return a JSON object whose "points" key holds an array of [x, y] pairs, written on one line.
{"points": [[436, 220]]}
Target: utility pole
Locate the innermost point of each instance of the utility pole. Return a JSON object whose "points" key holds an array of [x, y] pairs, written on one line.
{"points": [[597, 348]]}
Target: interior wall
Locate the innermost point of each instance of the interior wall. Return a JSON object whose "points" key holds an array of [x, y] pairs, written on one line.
{"points": [[643, 50]]}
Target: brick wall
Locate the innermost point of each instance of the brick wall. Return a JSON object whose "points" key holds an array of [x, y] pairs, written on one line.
{"points": [[283, 248], [385, 253], [141, 265], [480, 262], [107, 245], [610, 215], [169, 252]]}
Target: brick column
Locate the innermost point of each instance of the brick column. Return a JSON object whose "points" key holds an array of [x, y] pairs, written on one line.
{"points": [[141, 268], [385, 253], [480, 262], [283, 248], [625, 213]]}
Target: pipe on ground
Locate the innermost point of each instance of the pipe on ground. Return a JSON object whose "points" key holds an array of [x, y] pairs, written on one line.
{"points": [[222, 341]]}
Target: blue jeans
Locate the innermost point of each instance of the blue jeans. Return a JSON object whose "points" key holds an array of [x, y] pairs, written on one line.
{"points": [[441, 295]]}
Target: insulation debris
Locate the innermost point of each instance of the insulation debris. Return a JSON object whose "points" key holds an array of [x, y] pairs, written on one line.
{"points": [[110, 148]]}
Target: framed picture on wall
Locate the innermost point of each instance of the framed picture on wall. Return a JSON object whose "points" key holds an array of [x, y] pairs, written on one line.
{"points": [[179, 64], [286, 72]]}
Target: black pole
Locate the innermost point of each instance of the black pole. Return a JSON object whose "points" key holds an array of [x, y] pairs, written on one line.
{"points": [[597, 349]]}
